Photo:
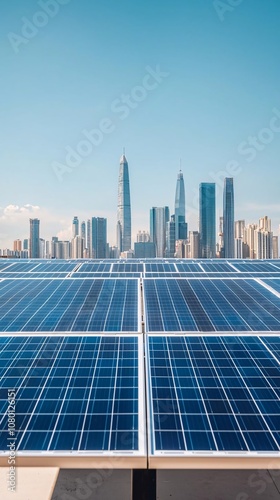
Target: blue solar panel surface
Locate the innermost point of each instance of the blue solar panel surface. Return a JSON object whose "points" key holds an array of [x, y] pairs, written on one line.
{"points": [[68, 305], [210, 305], [256, 267], [94, 267], [213, 394], [75, 393], [274, 283]]}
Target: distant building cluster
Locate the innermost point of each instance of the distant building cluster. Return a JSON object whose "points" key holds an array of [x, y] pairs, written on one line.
{"points": [[168, 237]]}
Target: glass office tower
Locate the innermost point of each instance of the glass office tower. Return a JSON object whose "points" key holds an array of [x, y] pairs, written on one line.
{"points": [[207, 220], [228, 218], [34, 245]]}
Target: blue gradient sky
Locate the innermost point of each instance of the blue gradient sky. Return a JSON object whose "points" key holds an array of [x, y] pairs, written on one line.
{"points": [[223, 84]]}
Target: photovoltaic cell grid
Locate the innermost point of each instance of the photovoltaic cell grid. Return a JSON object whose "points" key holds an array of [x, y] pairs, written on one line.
{"points": [[75, 393], [106, 275], [127, 268], [93, 267], [32, 275], [220, 267], [273, 344], [189, 268], [160, 267], [210, 305], [274, 283], [69, 305], [213, 394], [259, 267], [18, 266], [134, 268]]}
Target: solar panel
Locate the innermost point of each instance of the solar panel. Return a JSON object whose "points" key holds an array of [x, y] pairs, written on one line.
{"points": [[273, 283], [160, 267], [219, 266], [256, 267], [209, 305], [189, 268], [33, 275], [105, 275], [19, 266], [76, 394], [212, 394], [69, 305], [93, 267], [127, 267], [273, 344]]}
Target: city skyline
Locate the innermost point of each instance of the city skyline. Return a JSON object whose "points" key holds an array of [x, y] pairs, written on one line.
{"points": [[68, 109], [168, 235]]}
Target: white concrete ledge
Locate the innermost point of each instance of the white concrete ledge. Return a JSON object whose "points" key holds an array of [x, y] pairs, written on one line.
{"points": [[36, 483]]}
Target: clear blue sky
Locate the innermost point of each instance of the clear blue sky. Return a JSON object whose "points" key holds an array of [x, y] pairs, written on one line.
{"points": [[222, 86]]}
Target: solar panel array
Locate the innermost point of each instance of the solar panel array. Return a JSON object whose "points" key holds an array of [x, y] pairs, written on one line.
{"points": [[154, 268], [71, 345]]}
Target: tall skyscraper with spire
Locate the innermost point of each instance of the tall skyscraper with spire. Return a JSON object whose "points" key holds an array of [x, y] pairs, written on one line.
{"points": [[124, 208], [228, 218], [181, 228]]}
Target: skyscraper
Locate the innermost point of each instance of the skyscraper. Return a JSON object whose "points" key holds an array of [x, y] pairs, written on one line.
{"points": [[159, 216], [124, 209], [34, 246], [98, 238], [170, 237], [228, 218], [181, 228], [83, 231], [207, 219], [75, 227]]}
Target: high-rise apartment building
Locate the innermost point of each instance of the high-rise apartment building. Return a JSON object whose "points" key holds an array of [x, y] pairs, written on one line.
{"points": [[228, 218], [83, 231], [34, 245], [42, 248], [249, 241], [159, 216], [239, 228], [124, 208], [194, 242], [17, 246], [275, 247], [170, 237], [207, 220], [77, 247], [263, 242], [181, 228]]}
